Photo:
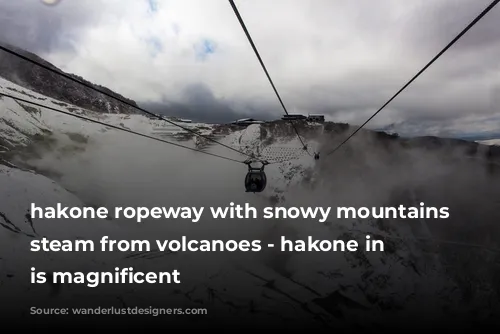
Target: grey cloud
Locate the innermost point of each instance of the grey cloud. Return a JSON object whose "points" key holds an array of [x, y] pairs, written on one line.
{"points": [[200, 105], [447, 18], [462, 83], [37, 27]]}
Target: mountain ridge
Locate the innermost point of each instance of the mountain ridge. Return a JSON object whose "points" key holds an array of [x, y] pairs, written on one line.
{"points": [[38, 79]]}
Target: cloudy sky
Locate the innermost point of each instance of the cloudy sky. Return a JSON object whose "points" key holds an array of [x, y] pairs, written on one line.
{"points": [[343, 58]]}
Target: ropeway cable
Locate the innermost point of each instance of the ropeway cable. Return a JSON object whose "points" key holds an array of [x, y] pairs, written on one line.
{"points": [[477, 19], [243, 26], [115, 127], [53, 70]]}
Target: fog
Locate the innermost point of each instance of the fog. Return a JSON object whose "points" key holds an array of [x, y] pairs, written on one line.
{"points": [[119, 169]]}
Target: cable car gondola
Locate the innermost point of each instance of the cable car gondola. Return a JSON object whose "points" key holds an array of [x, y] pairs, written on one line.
{"points": [[256, 180]]}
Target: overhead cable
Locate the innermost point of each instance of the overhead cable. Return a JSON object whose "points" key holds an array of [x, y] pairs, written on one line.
{"points": [[90, 86], [476, 20], [115, 127], [243, 26]]}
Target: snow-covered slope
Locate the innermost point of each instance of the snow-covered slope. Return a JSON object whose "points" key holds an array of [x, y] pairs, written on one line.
{"points": [[490, 142], [39, 79], [66, 148], [71, 161]]}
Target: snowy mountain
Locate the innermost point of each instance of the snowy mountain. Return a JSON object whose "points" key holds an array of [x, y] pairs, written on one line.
{"points": [[51, 85], [490, 142], [445, 267]]}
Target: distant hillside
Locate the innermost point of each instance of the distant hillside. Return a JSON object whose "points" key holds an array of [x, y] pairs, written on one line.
{"points": [[481, 137], [54, 86], [490, 142]]}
